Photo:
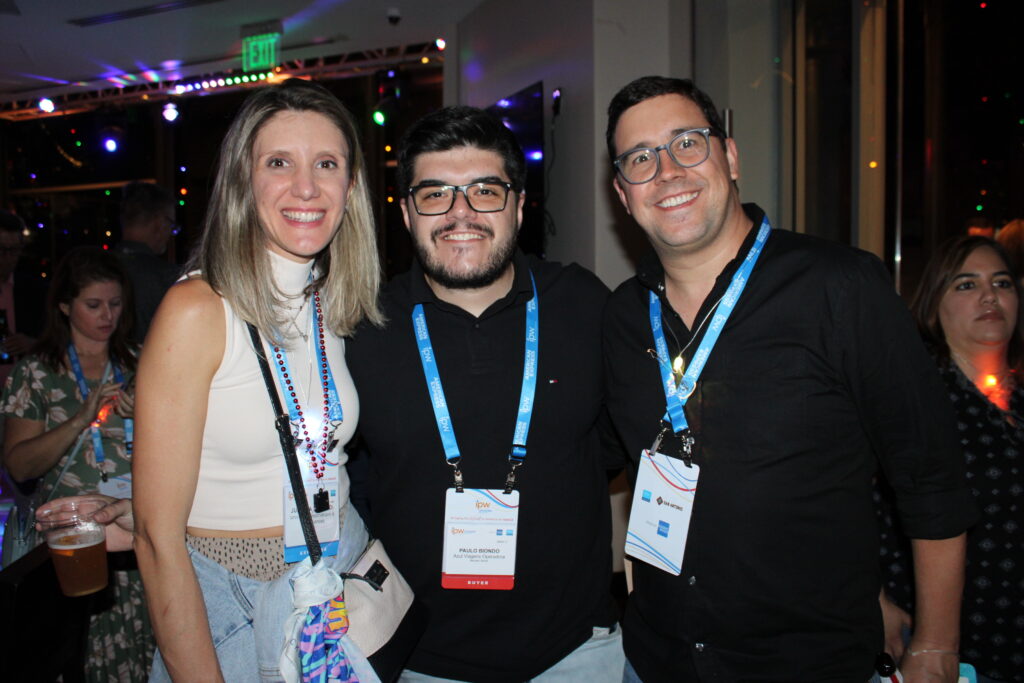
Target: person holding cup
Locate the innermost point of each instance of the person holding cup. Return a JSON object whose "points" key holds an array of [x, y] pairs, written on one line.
{"points": [[68, 408], [75, 539]]}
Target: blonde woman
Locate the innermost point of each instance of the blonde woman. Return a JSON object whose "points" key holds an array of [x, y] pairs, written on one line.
{"points": [[289, 246]]}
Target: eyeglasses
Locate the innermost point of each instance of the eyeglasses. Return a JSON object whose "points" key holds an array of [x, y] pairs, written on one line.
{"points": [[689, 148], [431, 199]]}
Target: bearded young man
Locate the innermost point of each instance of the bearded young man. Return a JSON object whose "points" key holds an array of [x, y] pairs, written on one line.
{"points": [[480, 405]]}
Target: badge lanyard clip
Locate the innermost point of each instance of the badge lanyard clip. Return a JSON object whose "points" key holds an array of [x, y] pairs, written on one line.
{"points": [[459, 483]]}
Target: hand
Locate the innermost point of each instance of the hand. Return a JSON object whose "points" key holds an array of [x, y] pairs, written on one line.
{"points": [[929, 664], [896, 620], [18, 344], [125, 403], [105, 394], [116, 516]]}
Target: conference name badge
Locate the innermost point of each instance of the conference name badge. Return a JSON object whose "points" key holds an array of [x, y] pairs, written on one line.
{"points": [[480, 532], [322, 498], [659, 519], [117, 487]]}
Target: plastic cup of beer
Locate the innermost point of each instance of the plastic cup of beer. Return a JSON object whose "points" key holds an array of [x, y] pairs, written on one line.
{"points": [[77, 546]]}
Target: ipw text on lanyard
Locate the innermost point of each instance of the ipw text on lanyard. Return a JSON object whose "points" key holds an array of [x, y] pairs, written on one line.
{"points": [[94, 426], [527, 394]]}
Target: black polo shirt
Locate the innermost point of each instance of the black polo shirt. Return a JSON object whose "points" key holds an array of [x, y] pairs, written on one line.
{"points": [[563, 557], [817, 377]]}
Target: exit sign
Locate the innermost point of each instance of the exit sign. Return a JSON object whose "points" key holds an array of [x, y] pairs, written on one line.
{"points": [[260, 52]]}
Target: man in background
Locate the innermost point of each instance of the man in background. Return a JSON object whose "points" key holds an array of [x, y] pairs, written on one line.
{"points": [[147, 221], [21, 299]]}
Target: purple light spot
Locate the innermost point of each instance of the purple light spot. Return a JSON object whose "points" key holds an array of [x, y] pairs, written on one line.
{"points": [[504, 103], [474, 71], [535, 155]]}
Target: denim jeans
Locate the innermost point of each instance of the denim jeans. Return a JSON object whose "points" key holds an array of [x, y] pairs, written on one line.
{"points": [[247, 616], [599, 660]]}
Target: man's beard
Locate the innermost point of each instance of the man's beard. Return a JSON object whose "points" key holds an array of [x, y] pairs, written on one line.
{"points": [[482, 276]]}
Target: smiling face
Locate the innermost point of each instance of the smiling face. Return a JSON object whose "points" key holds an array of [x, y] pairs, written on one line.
{"points": [[682, 210], [300, 182], [979, 308], [463, 249], [93, 314]]}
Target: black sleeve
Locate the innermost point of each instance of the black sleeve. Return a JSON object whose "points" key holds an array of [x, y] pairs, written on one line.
{"points": [[902, 405]]}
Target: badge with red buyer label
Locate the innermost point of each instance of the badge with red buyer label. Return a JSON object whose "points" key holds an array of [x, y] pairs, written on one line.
{"points": [[480, 531]]}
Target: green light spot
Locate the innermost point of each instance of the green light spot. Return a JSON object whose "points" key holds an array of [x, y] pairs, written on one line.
{"points": [[778, 60], [245, 79], [979, 207], [106, 192], [78, 143], [378, 117], [181, 202]]}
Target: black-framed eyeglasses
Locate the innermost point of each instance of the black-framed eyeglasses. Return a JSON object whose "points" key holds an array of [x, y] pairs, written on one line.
{"points": [[689, 148], [432, 199]]}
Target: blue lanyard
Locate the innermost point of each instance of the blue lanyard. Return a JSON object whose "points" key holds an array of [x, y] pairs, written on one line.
{"points": [[526, 395], [94, 427], [335, 412], [676, 395]]}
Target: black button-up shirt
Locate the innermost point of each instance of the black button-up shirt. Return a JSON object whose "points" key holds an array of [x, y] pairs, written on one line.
{"points": [[819, 374], [563, 555]]}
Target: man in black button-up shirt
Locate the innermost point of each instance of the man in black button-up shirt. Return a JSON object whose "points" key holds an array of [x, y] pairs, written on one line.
{"points": [[818, 376]]}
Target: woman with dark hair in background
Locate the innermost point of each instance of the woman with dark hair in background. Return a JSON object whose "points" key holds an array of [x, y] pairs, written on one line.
{"points": [[68, 409], [968, 310]]}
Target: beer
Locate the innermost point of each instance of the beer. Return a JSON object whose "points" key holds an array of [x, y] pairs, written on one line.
{"points": [[77, 544], [80, 559]]}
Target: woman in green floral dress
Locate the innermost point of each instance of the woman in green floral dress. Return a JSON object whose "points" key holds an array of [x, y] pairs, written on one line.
{"points": [[71, 400]]}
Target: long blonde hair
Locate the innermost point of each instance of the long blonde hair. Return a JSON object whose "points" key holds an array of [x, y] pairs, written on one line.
{"points": [[232, 255]]}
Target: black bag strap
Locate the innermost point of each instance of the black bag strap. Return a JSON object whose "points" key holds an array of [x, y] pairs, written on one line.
{"points": [[284, 435]]}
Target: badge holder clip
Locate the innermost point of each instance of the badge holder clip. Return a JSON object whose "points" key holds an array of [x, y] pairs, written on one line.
{"points": [[515, 459], [686, 442], [459, 483]]}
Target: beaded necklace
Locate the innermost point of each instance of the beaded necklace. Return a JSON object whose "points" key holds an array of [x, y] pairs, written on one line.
{"points": [[317, 452]]}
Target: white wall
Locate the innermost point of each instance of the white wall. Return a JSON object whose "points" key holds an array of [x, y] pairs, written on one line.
{"points": [[631, 39], [589, 49], [737, 45]]}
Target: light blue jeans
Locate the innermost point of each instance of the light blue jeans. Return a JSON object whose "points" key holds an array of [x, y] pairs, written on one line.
{"points": [[599, 660], [247, 616]]}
